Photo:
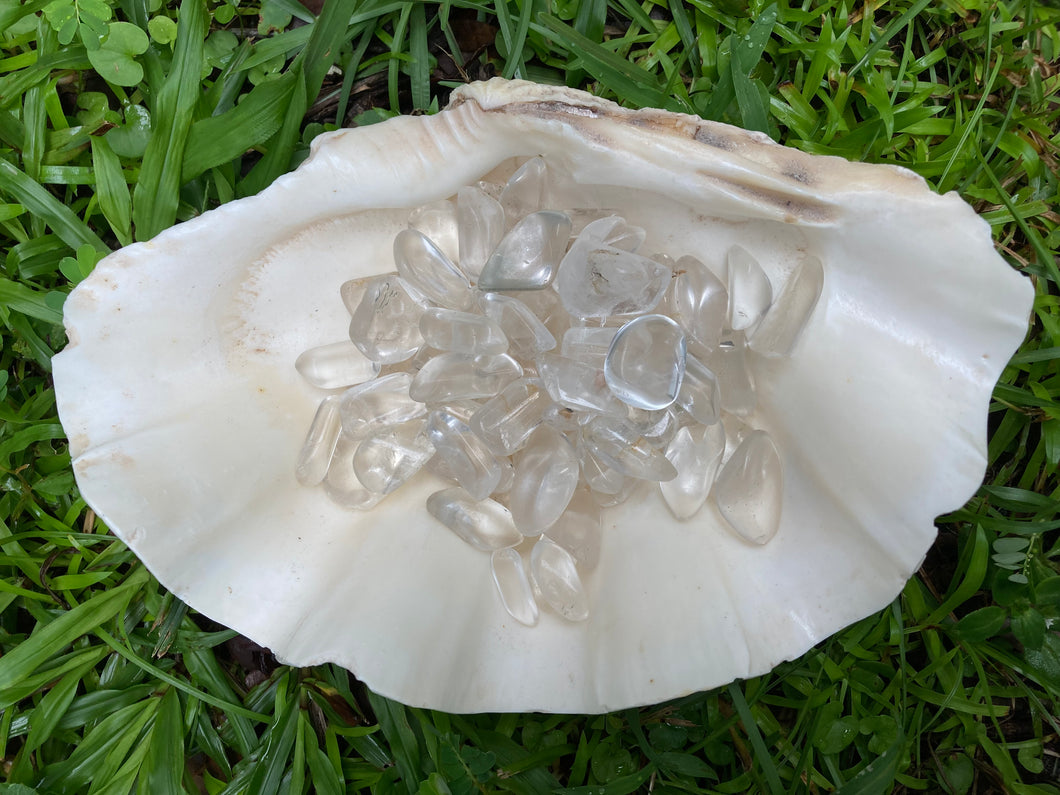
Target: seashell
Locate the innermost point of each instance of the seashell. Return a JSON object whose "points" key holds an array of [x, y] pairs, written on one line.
{"points": [[185, 412]]}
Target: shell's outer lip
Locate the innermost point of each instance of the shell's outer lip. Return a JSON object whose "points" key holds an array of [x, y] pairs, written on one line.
{"points": [[184, 410]]}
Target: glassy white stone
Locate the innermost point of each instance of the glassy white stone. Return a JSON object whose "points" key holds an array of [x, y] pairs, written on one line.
{"points": [[646, 362], [696, 454], [728, 362], [462, 332], [371, 406], [750, 292], [513, 585], [750, 489], [657, 427], [621, 447], [352, 291], [612, 231], [700, 301], [385, 324], [700, 393], [560, 417], [546, 474], [342, 486], [423, 265], [389, 457], [336, 365], [526, 190], [465, 455], [319, 445], [556, 577], [485, 524], [527, 257], [608, 281], [598, 474], [779, 330], [480, 221], [577, 385], [507, 420], [588, 344], [527, 335], [437, 221], [630, 487], [454, 376], [507, 475], [578, 530]]}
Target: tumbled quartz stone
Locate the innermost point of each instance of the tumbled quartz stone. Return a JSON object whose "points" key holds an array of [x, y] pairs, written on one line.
{"points": [[342, 486], [336, 365], [319, 445], [728, 362], [588, 344], [579, 529], [657, 427], [526, 190], [454, 376], [629, 488], [546, 474], [577, 385], [750, 489], [696, 453], [506, 421], [598, 474], [371, 406], [699, 300], [527, 336], [485, 524], [462, 332], [606, 281], [352, 292], [385, 324], [437, 221], [621, 447], [423, 265], [700, 393], [480, 221], [646, 362], [611, 231], [750, 292], [465, 455], [556, 576], [779, 330], [527, 257], [389, 457], [513, 586]]}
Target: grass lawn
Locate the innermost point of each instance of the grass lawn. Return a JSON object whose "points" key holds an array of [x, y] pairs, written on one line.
{"points": [[108, 684]]}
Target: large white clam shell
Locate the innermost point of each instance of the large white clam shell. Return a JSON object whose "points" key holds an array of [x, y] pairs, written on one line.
{"points": [[185, 413]]}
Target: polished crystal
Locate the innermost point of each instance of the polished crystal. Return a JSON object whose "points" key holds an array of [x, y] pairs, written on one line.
{"points": [[513, 585], [455, 376], [728, 362], [527, 335], [423, 265], [646, 362], [577, 385], [750, 489], [371, 406], [750, 292], [485, 524], [526, 190], [319, 445], [779, 330], [579, 529], [385, 324], [657, 427], [527, 257], [696, 454], [465, 455], [507, 420], [699, 300], [599, 475], [389, 457], [622, 447], [604, 281], [556, 577], [588, 344], [700, 393], [437, 221], [480, 221], [336, 365], [462, 332], [342, 486], [546, 474]]}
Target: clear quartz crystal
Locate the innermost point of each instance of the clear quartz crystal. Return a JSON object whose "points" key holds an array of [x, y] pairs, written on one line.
{"points": [[750, 292], [527, 335], [336, 365], [480, 221], [611, 231], [385, 324], [728, 362], [604, 281], [484, 524], [598, 475], [437, 221], [657, 427], [342, 486], [629, 488], [588, 344], [700, 301], [453, 376], [700, 393], [696, 454], [779, 330], [462, 332], [506, 421], [423, 265], [621, 447], [513, 585], [577, 385], [352, 292], [750, 489], [579, 529], [526, 190], [527, 257], [371, 406], [556, 577], [389, 457], [465, 455], [646, 362], [319, 445], [546, 474]]}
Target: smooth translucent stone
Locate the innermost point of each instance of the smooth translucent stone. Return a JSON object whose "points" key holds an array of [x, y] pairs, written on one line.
{"points": [[423, 265], [342, 486], [579, 530], [646, 363], [657, 427], [556, 577], [336, 365], [546, 474], [369, 407], [696, 455], [480, 221], [750, 489], [437, 221], [453, 376], [319, 445], [504, 485], [621, 447], [526, 190], [750, 292], [352, 291], [388, 458], [629, 488], [465, 455], [577, 385], [598, 474], [561, 418], [728, 362], [527, 257], [506, 421], [462, 332], [700, 301], [513, 585], [410, 366], [484, 524], [700, 393], [779, 330], [588, 344], [612, 231], [608, 281], [526, 334], [385, 324]]}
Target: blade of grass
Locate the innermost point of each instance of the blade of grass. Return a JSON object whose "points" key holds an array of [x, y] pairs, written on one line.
{"points": [[163, 766], [38, 201]]}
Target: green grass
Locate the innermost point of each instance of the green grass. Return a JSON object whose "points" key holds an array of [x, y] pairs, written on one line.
{"points": [[108, 684]]}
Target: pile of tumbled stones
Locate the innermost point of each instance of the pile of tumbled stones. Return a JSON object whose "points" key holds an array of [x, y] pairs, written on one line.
{"points": [[546, 375]]}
